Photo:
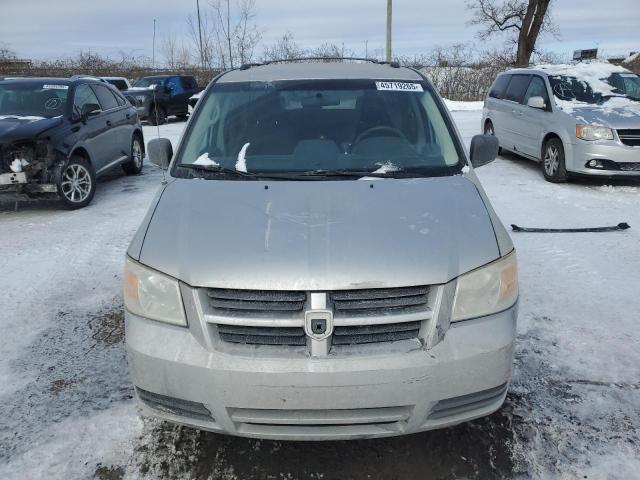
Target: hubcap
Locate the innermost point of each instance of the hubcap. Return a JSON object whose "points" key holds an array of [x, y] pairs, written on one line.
{"points": [[136, 153], [551, 160], [76, 183]]}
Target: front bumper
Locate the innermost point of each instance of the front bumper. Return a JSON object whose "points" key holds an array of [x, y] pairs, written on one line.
{"points": [[626, 158], [377, 394]]}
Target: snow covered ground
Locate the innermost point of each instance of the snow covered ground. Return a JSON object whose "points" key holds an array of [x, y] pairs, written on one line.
{"points": [[573, 410]]}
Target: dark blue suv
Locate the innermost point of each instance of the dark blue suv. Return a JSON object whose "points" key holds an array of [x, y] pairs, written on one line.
{"points": [[158, 97]]}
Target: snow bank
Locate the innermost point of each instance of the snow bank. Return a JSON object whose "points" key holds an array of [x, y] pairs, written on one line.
{"points": [[457, 106]]}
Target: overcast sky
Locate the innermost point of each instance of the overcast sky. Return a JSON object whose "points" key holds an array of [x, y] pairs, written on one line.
{"points": [[46, 29]]}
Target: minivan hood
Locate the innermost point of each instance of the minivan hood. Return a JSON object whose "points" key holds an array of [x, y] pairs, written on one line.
{"points": [[23, 128], [614, 113], [319, 235]]}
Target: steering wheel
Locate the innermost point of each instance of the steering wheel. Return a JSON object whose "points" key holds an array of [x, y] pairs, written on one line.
{"points": [[380, 128]]}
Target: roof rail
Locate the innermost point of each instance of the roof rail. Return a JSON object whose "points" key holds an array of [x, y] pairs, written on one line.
{"points": [[247, 66]]}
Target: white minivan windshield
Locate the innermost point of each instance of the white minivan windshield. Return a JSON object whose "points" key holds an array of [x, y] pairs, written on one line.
{"points": [[358, 126]]}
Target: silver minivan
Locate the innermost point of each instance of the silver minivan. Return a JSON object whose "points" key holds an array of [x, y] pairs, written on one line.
{"points": [[322, 262], [573, 119]]}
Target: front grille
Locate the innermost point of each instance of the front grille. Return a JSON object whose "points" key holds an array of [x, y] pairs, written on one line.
{"points": [[630, 167], [630, 137], [389, 332], [277, 318], [395, 300], [256, 300], [291, 336]]}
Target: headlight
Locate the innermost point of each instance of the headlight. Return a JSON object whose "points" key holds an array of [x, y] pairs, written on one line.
{"points": [[593, 132], [486, 290], [152, 294]]}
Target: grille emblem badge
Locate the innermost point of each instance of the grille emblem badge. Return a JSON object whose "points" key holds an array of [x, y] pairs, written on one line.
{"points": [[318, 324]]}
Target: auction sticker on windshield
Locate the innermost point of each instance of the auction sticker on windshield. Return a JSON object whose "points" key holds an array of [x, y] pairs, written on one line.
{"points": [[399, 86], [56, 87]]}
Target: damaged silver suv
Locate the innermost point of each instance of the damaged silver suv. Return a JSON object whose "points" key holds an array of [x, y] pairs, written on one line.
{"points": [[322, 262]]}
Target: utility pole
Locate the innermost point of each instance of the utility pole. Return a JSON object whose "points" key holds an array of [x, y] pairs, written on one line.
{"points": [[153, 54], [389, 18], [200, 34]]}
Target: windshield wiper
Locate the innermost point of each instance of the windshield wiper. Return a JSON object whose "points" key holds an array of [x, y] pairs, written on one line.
{"points": [[343, 173], [216, 169]]}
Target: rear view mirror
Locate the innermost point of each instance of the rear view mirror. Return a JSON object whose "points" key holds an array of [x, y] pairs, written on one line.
{"points": [[160, 152], [484, 149], [537, 102]]}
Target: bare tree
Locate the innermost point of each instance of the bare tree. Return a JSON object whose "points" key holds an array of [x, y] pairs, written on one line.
{"points": [[176, 54], [210, 55], [235, 28], [524, 20], [285, 48]]}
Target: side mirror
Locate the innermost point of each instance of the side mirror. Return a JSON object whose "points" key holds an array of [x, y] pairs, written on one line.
{"points": [[160, 152], [537, 102], [484, 149], [89, 110]]}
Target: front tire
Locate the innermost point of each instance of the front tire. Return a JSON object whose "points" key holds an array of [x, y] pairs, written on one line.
{"points": [[134, 165], [553, 162], [77, 183]]}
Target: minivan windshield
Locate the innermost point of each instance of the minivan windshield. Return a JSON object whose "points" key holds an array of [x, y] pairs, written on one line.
{"points": [[33, 99], [320, 127]]}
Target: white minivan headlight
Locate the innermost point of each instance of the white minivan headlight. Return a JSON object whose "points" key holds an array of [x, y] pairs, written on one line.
{"points": [[152, 294], [593, 132], [488, 289]]}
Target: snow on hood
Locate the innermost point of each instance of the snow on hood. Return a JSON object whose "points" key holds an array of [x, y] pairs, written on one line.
{"points": [[27, 118], [141, 89]]}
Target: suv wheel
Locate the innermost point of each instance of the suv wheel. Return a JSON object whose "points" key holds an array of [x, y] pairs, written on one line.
{"points": [[134, 165], [157, 116], [489, 130], [553, 166], [77, 183]]}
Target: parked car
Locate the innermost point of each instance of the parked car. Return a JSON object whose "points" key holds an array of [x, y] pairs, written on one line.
{"points": [[159, 97], [573, 119], [322, 263], [57, 135], [193, 100], [120, 83]]}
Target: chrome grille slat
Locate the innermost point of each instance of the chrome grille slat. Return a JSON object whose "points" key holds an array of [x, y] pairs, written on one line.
{"points": [[263, 335], [375, 329], [630, 137], [379, 303], [374, 337], [396, 300], [378, 293], [256, 300]]}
